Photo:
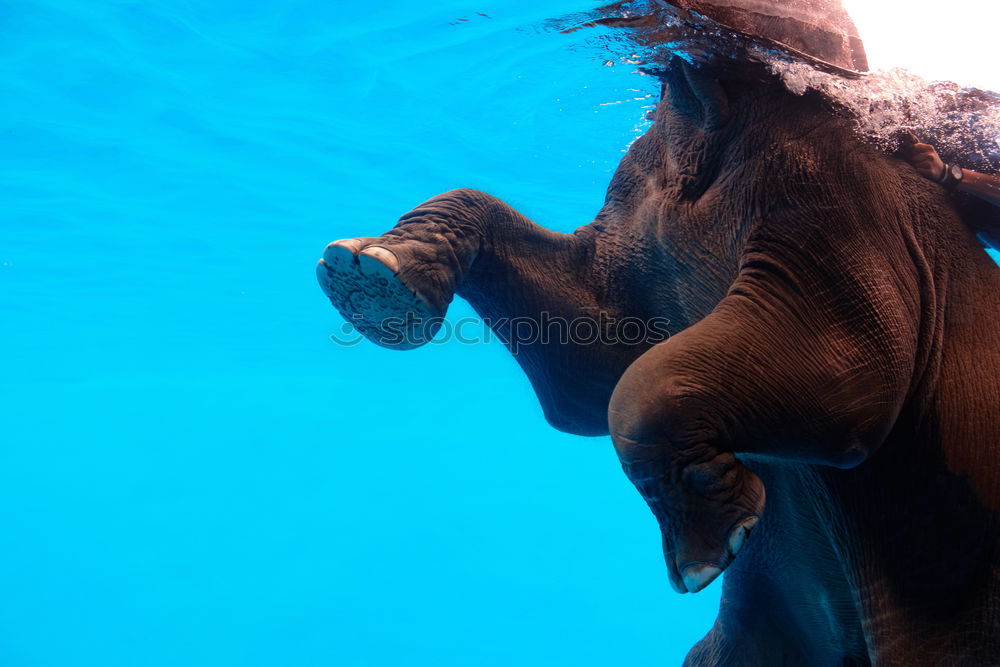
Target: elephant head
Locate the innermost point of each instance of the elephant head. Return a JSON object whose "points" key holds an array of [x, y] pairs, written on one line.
{"points": [[819, 32]]}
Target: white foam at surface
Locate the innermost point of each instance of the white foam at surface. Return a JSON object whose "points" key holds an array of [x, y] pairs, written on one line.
{"points": [[963, 123]]}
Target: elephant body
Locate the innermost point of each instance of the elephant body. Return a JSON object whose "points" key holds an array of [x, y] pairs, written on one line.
{"points": [[821, 423]]}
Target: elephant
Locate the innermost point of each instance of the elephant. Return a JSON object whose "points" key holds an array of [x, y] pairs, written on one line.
{"points": [[820, 423]]}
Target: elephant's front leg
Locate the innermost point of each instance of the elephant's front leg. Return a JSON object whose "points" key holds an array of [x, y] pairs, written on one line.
{"points": [[395, 288], [792, 376]]}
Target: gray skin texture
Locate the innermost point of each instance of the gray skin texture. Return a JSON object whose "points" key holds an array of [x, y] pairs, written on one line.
{"points": [[833, 342]]}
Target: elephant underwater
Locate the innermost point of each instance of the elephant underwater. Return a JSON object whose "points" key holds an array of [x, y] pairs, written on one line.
{"points": [[820, 423]]}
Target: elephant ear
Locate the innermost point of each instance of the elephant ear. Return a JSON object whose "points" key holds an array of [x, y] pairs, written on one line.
{"points": [[821, 30]]}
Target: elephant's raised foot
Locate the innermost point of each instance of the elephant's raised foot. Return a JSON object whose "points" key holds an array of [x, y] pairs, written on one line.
{"points": [[363, 282], [711, 517], [707, 508]]}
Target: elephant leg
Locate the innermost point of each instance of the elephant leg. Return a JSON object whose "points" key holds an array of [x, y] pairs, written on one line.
{"points": [[396, 288], [758, 646], [802, 378]]}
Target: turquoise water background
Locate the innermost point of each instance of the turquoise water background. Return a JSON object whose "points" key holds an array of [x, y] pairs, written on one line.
{"points": [[191, 472]]}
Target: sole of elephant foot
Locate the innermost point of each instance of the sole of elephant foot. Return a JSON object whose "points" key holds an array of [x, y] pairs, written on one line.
{"points": [[362, 283]]}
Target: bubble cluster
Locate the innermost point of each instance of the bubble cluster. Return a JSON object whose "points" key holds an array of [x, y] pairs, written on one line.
{"points": [[962, 123]]}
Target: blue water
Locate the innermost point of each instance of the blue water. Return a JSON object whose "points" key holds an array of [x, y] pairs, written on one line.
{"points": [[191, 472]]}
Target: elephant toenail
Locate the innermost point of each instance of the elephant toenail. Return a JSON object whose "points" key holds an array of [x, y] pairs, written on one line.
{"points": [[353, 245], [677, 585], [384, 256], [697, 577], [740, 533]]}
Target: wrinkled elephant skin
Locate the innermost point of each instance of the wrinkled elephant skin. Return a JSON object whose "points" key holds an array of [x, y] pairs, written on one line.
{"points": [[821, 423]]}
